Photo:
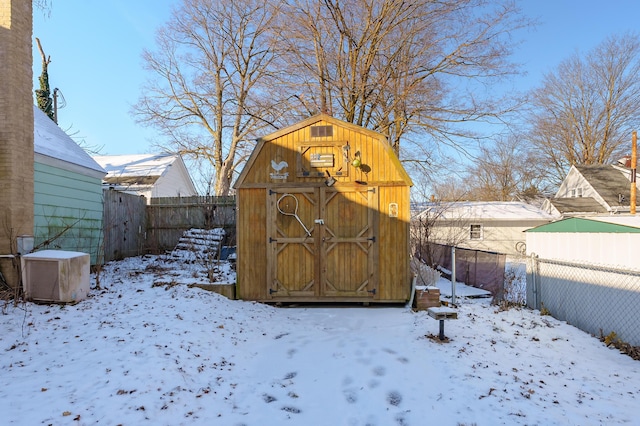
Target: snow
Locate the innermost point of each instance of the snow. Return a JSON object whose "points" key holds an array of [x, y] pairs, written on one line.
{"points": [[146, 348], [51, 141], [495, 210], [55, 254], [135, 164]]}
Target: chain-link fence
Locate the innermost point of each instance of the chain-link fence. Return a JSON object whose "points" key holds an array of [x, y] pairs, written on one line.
{"points": [[480, 269], [596, 299]]}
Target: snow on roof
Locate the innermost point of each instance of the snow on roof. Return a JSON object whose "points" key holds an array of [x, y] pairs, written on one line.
{"points": [[51, 141], [136, 164], [503, 210]]}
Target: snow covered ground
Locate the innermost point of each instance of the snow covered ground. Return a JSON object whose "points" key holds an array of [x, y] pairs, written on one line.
{"points": [[144, 349]]}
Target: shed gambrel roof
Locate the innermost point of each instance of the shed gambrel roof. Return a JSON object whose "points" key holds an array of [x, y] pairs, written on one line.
{"points": [[260, 142]]}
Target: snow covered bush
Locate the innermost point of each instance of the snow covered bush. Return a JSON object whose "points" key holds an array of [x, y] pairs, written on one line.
{"points": [[426, 276], [515, 285]]}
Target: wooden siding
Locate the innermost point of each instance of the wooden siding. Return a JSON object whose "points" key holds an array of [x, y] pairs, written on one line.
{"points": [[67, 211], [358, 252], [395, 276], [251, 281], [374, 155]]}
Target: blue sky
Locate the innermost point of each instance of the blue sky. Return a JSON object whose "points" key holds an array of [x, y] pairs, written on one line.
{"points": [[95, 48]]}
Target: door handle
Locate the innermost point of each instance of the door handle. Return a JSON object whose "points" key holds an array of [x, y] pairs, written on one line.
{"points": [[319, 221]]}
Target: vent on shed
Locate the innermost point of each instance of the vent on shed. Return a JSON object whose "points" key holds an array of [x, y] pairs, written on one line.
{"points": [[321, 131]]}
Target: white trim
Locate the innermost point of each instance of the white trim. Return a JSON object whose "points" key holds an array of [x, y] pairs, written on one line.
{"points": [[472, 232], [64, 165]]}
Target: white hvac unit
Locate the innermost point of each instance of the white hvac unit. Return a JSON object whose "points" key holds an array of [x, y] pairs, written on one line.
{"points": [[56, 276]]}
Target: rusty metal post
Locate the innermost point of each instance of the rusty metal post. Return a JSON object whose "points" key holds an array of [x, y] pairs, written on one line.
{"points": [[634, 159]]}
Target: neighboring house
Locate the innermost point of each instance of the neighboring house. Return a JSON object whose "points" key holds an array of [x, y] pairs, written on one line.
{"points": [[481, 225], [67, 192], [592, 190], [603, 240], [149, 175]]}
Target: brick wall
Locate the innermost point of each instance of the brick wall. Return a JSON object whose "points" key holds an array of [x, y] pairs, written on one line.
{"points": [[16, 129]]}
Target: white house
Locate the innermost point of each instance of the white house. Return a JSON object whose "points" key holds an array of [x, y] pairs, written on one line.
{"points": [[592, 190], [482, 225], [149, 175]]}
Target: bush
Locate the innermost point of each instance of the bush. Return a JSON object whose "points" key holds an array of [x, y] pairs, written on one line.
{"points": [[425, 275]]}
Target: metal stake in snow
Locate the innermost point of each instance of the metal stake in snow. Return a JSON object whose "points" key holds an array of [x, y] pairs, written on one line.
{"points": [[453, 275]]}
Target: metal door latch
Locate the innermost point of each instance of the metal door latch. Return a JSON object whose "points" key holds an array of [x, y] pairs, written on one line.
{"points": [[319, 221]]}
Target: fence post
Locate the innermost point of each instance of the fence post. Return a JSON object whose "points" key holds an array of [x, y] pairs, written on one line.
{"points": [[534, 281], [453, 275]]}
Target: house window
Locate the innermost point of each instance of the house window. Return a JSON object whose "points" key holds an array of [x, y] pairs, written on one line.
{"points": [[575, 192], [475, 232]]}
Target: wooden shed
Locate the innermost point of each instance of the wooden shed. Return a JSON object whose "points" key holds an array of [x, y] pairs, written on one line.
{"points": [[323, 216]]}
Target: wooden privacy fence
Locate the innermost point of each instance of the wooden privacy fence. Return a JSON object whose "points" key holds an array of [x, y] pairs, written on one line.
{"points": [[124, 221], [168, 218], [132, 227]]}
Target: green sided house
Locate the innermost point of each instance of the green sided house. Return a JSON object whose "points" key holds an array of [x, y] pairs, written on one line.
{"points": [[67, 192]]}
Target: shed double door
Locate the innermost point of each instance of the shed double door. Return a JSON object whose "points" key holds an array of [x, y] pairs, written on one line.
{"points": [[322, 243]]}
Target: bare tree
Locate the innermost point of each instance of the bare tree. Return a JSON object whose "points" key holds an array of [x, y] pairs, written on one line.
{"points": [[44, 5], [441, 223], [505, 171], [586, 109], [414, 71], [208, 77], [451, 188], [399, 67]]}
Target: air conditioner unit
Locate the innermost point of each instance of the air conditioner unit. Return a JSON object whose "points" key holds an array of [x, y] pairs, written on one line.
{"points": [[55, 276]]}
